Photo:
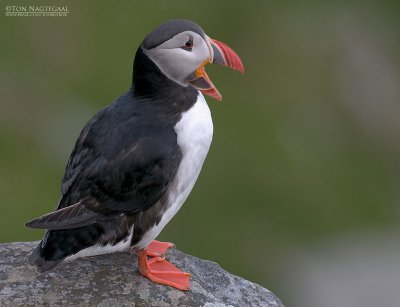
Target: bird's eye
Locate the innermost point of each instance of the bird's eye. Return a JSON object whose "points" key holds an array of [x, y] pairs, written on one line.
{"points": [[188, 45]]}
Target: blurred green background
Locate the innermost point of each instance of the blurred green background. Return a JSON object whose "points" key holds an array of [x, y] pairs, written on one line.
{"points": [[306, 142]]}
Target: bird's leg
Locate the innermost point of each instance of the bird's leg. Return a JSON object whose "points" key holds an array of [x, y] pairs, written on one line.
{"points": [[160, 271], [158, 248]]}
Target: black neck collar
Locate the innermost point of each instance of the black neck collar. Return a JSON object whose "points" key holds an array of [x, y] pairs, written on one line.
{"points": [[148, 81]]}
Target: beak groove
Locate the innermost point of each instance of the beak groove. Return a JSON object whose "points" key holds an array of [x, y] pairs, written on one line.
{"points": [[224, 55]]}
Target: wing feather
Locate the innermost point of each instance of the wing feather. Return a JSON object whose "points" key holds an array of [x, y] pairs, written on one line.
{"points": [[70, 217], [123, 170]]}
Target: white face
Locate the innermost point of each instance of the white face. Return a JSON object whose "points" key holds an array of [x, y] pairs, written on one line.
{"points": [[176, 60]]}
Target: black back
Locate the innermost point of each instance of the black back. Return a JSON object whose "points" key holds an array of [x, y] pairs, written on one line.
{"points": [[128, 153]]}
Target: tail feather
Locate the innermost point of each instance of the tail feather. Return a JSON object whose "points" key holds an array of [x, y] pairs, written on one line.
{"points": [[36, 259], [58, 245]]}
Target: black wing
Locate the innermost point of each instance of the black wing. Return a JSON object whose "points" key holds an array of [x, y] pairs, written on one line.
{"points": [[123, 162], [71, 217]]}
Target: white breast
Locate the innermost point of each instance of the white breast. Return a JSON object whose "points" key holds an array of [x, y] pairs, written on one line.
{"points": [[194, 131]]}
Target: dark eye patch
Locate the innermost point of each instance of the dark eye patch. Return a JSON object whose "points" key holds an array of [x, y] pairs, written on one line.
{"points": [[188, 45]]}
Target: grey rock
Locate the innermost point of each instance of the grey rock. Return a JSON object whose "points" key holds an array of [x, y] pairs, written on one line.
{"points": [[113, 280]]}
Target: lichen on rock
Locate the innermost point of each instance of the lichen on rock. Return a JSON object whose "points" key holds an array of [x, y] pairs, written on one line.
{"points": [[113, 280]]}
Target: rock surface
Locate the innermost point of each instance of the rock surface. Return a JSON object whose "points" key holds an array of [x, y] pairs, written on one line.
{"points": [[113, 280]]}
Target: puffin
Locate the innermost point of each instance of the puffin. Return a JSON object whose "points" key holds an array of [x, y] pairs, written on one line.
{"points": [[136, 161]]}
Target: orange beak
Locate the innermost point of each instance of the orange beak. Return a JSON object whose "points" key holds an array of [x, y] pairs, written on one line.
{"points": [[220, 53]]}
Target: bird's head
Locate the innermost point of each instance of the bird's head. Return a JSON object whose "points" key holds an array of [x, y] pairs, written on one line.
{"points": [[181, 49]]}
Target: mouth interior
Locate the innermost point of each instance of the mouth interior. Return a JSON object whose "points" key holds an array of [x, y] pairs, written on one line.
{"points": [[203, 82], [200, 71]]}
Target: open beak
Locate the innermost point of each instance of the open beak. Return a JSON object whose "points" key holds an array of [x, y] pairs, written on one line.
{"points": [[220, 53]]}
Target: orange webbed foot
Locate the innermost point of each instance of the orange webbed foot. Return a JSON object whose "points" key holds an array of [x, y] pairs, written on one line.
{"points": [[160, 271]]}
